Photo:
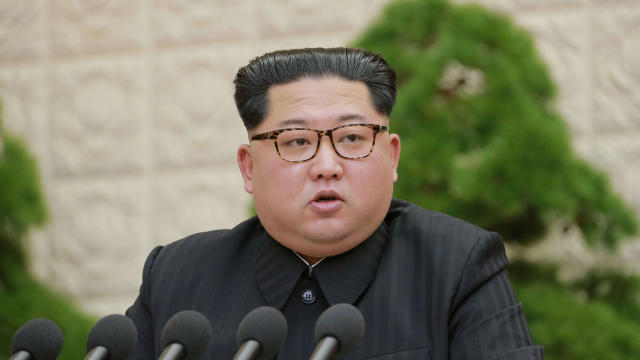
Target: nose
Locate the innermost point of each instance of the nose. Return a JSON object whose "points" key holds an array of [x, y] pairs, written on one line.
{"points": [[326, 164]]}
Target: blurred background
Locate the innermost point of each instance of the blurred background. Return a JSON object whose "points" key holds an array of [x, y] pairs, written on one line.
{"points": [[127, 109]]}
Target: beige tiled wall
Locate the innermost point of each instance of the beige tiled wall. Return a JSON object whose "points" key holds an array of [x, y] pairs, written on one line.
{"points": [[128, 106]]}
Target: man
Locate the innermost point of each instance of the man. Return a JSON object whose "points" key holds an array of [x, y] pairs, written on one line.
{"points": [[321, 164]]}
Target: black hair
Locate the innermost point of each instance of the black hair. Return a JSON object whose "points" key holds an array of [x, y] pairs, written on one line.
{"points": [[280, 67]]}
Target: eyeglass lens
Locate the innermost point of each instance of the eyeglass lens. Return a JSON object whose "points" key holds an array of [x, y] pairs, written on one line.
{"points": [[349, 141]]}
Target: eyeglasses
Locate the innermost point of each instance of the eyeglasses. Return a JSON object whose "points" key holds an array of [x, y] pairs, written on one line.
{"points": [[351, 141]]}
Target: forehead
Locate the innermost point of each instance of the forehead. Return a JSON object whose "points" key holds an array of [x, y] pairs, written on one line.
{"points": [[319, 103]]}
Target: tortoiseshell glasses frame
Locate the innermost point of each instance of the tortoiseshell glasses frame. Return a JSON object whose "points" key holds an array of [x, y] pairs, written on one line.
{"points": [[307, 155]]}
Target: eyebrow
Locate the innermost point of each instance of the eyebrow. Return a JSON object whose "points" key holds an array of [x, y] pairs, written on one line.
{"points": [[348, 117], [292, 122], [342, 118]]}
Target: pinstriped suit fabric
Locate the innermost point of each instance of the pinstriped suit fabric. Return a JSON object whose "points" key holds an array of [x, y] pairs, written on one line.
{"points": [[429, 286]]}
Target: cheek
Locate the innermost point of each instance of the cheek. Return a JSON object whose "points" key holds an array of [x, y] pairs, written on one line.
{"points": [[275, 179], [372, 181]]}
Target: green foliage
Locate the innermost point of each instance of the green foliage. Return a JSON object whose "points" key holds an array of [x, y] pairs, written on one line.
{"points": [[21, 201], [620, 290], [571, 326], [22, 299], [481, 140], [610, 286]]}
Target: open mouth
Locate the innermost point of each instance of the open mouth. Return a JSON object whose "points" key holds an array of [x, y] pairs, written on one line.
{"points": [[326, 198], [327, 202]]}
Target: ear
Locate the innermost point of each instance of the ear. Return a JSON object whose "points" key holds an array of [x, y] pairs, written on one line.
{"points": [[245, 163], [394, 152]]}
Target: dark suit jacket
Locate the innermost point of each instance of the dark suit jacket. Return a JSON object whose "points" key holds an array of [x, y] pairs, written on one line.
{"points": [[428, 285]]}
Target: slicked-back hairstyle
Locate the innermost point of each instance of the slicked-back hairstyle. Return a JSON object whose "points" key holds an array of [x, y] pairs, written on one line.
{"points": [[280, 67]]}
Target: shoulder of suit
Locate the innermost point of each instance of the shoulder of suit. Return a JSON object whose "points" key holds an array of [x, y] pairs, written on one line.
{"points": [[424, 225], [210, 240]]}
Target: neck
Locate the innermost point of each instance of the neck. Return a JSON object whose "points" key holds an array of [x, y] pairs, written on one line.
{"points": [[309, 259]]}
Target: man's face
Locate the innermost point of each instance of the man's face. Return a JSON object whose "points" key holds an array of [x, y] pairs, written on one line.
{"points": [[291, 198]]}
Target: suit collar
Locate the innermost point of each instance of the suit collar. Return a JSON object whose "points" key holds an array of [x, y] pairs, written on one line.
{"points": [[342, 278], [277, 271]]}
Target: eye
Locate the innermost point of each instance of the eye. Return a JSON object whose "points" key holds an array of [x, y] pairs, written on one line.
{"points": [[297, 139], [299, 142], [351, 138]]}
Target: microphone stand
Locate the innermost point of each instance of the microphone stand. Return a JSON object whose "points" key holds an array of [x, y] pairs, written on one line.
{"points": [[327, 349], [248, 351], [172, 351], [21, 355], [97, 353]]}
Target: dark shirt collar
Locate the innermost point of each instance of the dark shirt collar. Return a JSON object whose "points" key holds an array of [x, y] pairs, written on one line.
{"points": [[277, 271], [342, 278]]}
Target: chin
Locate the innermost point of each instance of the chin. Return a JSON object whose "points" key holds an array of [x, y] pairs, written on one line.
{"points": [[325, 235]]}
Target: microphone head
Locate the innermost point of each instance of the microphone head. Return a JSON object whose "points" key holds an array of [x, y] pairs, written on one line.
{"points": [[343, 322], [42, 338], [189, 328], [115, 332], [267, 326]]}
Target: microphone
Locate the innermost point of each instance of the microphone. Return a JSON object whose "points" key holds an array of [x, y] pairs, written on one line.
{"points": [[185, 336], [113, 337], [261, 334], [37, 339], [338, 330]]}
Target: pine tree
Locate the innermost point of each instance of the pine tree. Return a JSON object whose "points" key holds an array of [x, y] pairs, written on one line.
{"points": [[481, 139]]}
